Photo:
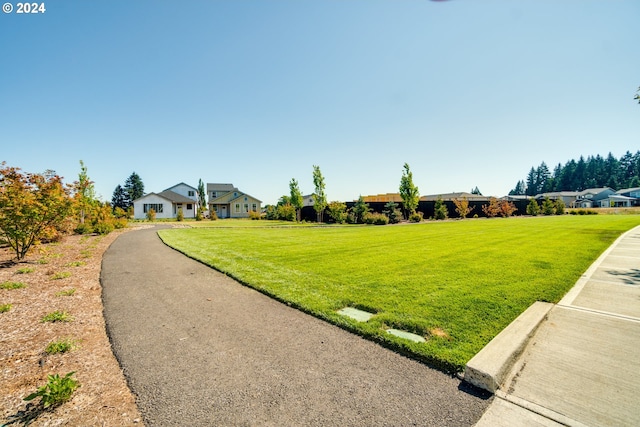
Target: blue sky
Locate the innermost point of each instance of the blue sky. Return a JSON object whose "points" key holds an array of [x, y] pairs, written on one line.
{"points": [[254, 93]]}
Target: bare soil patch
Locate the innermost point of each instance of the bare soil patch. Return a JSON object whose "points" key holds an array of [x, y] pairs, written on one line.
{"points": [[103, 398]]}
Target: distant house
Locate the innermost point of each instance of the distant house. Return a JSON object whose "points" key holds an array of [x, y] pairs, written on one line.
{"points": [[229, 202], [594, 198], [167, 203], [568, 197], [452, 196], [632, 193]]}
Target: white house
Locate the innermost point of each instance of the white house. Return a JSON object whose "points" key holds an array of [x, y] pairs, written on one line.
{"points": [[229, 202], [167, 203]]}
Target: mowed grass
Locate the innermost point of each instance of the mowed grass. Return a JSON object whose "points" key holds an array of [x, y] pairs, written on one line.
{"points": [[457, 283]]}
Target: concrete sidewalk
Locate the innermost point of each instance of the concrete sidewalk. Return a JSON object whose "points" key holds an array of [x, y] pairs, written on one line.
{"points": [[580, 365]]}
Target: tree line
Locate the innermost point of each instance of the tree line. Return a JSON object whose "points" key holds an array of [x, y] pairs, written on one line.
{"points": [[592, 172]]}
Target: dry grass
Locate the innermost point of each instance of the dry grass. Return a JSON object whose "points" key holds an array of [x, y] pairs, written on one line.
{"points": [[103, 398]]}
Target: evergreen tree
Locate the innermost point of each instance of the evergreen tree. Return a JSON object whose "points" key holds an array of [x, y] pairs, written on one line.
{"points": [[202, 197], [519, 189], [134, 187], [440, 210], [359, 210], [531, 189], [120, 198], [476, 191], [533, 208]]}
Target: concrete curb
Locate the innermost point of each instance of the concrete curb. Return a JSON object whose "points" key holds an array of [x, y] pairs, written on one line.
{"points": [[490, 367]]}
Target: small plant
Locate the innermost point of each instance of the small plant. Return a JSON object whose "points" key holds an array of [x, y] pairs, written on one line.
{"points": [[416, 216], [57, 390], [61, 275], [86, 253], [66, 293], [5, 307], [75, 264], [103, 227], [253, 215], [25, 270], [151, 215], [180, 216], [61, 346], [43, 261], [12, 285], [57, 316]]}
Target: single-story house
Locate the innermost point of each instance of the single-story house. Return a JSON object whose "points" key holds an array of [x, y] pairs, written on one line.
{"points": [[229, 202], [617, 201], [568, 197], [167, 203]]}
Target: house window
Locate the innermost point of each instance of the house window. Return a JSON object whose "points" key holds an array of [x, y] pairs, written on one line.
{"points": [[215, 208], [189, 206], [155, 206], [237, 207], [213, 194], [246, 207], [254, 207], [191, 194]]}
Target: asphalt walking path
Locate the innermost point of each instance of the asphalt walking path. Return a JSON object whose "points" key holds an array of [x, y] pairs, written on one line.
{"points": [[581, 367], [199, 349]]}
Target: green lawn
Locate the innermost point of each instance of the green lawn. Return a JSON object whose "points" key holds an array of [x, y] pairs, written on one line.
{"points": [[456, 283]]}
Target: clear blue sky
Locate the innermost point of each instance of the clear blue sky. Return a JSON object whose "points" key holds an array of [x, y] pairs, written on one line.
{"points": [[254, 93]]}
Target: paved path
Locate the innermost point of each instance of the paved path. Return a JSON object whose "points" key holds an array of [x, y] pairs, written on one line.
{"points": [[582, 366], [199, 349]]}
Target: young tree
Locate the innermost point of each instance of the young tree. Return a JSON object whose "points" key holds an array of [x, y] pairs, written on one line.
{"points": [[359, 210], [462, 207], [408, 191], [440, 210], [29, 203], [319, 197], [532, 208], [548, 207], [85, 194], [506, 208], [134, 187], [120, 198], [492, 209], [476, 191], [202, 197], [560, 207], [295, 197]]}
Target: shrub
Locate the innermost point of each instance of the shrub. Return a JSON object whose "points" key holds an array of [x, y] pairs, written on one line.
{"points": [[57, 390], [375, 218], [287, 212], [83, 228], [120, 223], [12, 285], [254, 216], [180, 215], [103, 227], [392, 212], [416, 217], [559, 207], [5, 307], [25, 270], [213, 216], [199, 215], [337, 212], [151, 215]]}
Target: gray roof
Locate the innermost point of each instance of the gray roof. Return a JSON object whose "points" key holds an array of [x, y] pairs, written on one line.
{"points": [[175, 197], [220, 187]]}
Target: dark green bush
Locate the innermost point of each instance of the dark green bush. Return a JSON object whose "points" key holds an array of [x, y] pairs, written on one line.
{"points": [[103, 227], [83, 228]]}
